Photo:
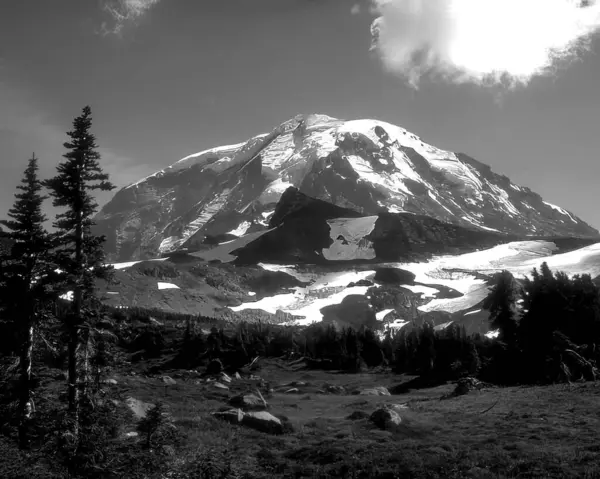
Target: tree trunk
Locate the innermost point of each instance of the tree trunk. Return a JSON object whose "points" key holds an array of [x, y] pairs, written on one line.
{"points": [[25, 403], [85, 363], [74, 328], [72, 358]]}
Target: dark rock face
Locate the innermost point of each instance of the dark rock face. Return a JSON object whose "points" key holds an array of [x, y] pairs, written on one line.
{"points": [[404, 236], [297, 206], [363, 167], [395, 237], [394, 276]]}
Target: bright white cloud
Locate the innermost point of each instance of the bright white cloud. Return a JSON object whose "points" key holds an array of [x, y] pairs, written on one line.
{"points": [[125, 11], [487, 42]]}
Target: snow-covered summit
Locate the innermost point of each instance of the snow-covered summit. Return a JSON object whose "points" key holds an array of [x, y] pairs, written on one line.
{"points": [[368, 166]]}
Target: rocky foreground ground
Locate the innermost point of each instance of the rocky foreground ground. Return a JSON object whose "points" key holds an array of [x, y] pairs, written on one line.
{"points": [[282, 420]]}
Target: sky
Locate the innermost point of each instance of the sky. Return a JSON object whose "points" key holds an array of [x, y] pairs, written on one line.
{"points": [[512, 83]]}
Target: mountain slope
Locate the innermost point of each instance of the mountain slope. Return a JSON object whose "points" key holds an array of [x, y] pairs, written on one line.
{"points": [[367, 167]]}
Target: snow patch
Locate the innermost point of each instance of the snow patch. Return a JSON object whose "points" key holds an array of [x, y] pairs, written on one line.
{"points": [[382, 314], [167, 286], [129, 264], [349, 242], [241, 229], [561, 210], [68, 296], [425, 290]]}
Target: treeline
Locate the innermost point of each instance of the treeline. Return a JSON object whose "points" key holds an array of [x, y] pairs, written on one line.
{"points": [[548, 330]]}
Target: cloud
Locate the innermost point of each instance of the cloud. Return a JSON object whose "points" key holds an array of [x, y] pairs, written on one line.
{"points": [[486, 42], [124, 12], [355, 10]]}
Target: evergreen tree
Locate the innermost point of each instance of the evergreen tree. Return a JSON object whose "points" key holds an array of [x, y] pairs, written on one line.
{"points": [[502, 305], [472, 362], [425, 353], [25, 275], [79, 252], [401, 352]]}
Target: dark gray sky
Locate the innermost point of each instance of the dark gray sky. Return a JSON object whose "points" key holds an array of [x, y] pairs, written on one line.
{"points": [[187, 75]]}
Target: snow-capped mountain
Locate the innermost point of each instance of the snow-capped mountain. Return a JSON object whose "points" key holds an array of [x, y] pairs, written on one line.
{"points": [[364, 167]]}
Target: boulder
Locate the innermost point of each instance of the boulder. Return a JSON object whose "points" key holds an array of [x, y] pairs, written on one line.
{"points": [[263, 421], [258, 420], [220, 386], [214, 367], [465, 385], [248, 402], [386, 419], [335, 389], [112, 382], [298, 384], [234, 416], [168, 381], [376, 391]]}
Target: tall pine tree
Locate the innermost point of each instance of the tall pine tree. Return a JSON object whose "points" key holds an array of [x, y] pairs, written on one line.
{"points": [[502, 305], [25, 274], [79, 253]]}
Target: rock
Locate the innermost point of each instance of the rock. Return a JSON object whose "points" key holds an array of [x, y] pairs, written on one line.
{"points": [[248, 402], [298, 384], [225, 378], [237, 375], [358, 415], [258, 420], [214, 367], [168, 381], [112, 382], [465, 385], [155, 322], [138, 408], [336, 389], [292, 391], [396, 407], [221, 386], [234, 416], [263, 421], [386, 419], [376, 391]]}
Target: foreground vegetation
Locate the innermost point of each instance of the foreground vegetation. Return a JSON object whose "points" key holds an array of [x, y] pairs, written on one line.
{"points": [[93, 391]]}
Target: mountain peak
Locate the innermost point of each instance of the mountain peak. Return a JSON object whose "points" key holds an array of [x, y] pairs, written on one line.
{"points": [[364, 166]]}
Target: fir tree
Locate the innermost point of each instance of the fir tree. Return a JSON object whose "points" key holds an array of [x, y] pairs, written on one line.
{"points": [[25, 276], [79, 252], [502, 305]]}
